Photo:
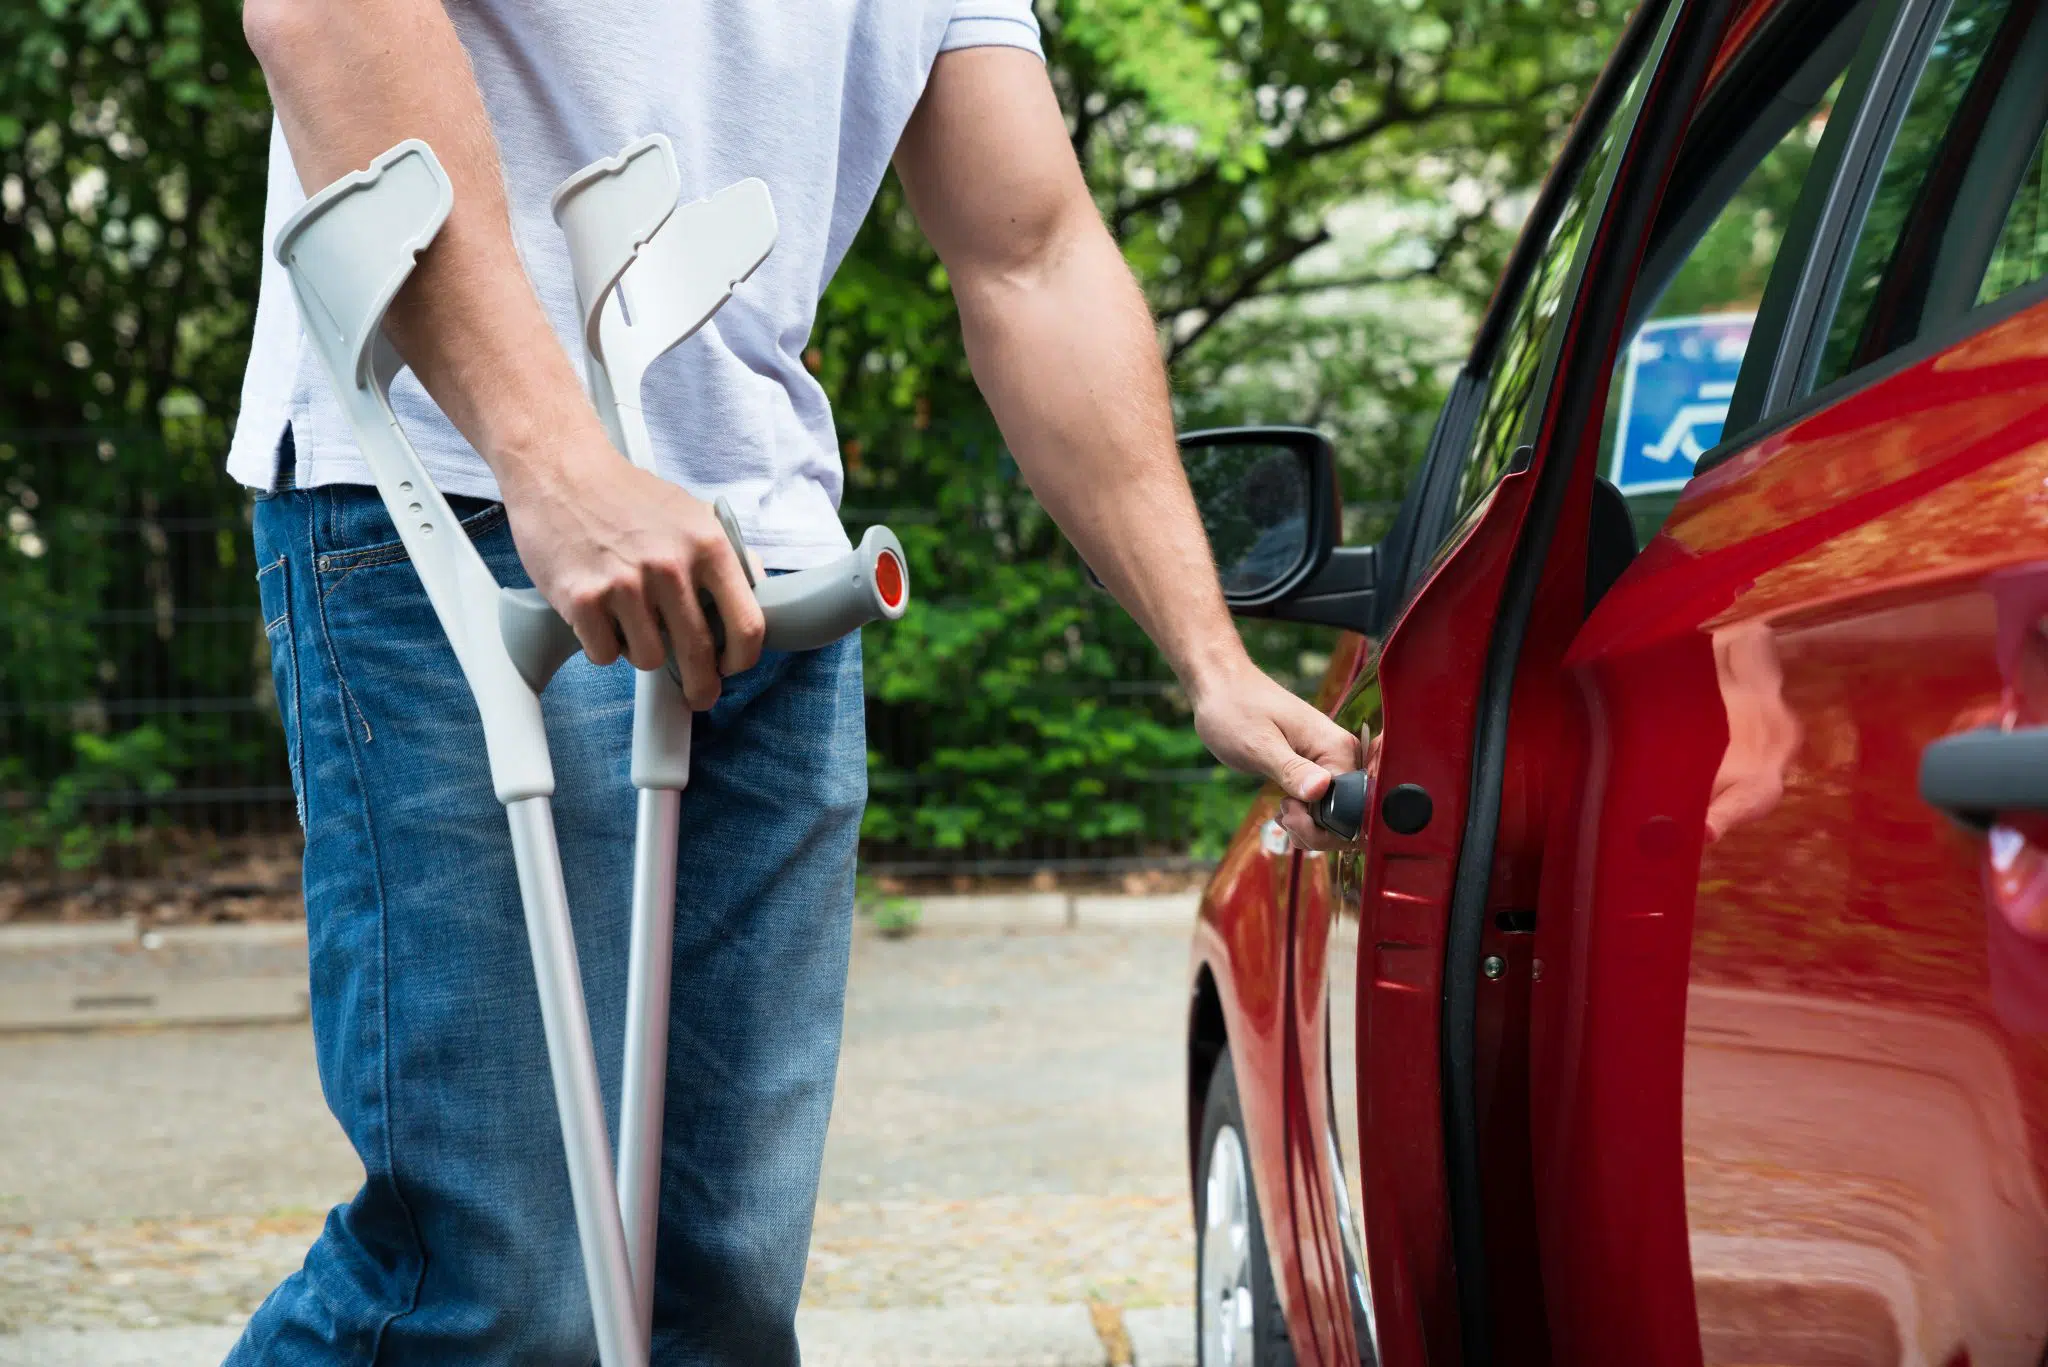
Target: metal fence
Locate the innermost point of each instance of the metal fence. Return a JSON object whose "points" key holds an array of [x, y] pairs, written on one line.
{"points": [[137, 718]]}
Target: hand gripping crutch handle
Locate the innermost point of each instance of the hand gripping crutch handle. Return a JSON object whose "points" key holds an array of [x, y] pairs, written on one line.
{"points": [[803, 611]]}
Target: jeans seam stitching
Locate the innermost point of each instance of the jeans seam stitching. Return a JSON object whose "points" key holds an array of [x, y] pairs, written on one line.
{"points": [[295, 732], [383, 993], [285, 615], [339, 577]]}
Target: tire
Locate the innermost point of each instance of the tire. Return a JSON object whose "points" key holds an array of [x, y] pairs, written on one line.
{"points": [[1238, 1321]]}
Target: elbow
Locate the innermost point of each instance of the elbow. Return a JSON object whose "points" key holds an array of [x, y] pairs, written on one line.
{"points": [[280, 32], [272, 28]]}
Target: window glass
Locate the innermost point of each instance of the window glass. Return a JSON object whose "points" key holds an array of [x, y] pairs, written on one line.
{"points": [[1498, 431], [1668, 398], [2021, 256], [1958, 54]]}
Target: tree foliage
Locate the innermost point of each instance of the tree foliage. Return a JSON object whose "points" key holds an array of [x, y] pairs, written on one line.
{"points": [[1316, 195], [132, 140]]}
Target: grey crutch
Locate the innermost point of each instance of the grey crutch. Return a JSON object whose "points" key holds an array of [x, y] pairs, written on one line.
{"points": [[347, 253]]}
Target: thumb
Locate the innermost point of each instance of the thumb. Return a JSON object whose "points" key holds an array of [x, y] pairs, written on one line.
{"points": [[1300, 778]]}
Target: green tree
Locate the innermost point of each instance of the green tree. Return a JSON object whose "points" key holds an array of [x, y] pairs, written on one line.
{"points": [[132, 147]]}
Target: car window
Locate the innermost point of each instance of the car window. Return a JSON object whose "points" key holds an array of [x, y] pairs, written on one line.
{"points": [[2020, 256], [1668, 396], [1510, 396], [1880, 306]]}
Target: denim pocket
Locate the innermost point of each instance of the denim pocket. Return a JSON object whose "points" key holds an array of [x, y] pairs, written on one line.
{"points": [[353, 530], [273, 592]]}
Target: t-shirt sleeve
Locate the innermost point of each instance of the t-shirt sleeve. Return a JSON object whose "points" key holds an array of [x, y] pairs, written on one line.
{"points": [[992, 23]]}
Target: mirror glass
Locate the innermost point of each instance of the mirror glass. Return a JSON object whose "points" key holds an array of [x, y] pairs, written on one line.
{"points": [[1254, 500]]}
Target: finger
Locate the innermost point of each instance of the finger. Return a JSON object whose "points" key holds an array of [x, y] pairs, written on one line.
{"points": [[636, 623], [1301, 828], [719, 573], [595, 629], [689, 637]]}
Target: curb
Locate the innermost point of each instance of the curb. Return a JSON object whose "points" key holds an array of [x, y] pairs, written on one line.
{"points": [[1164, 911], [995, 911], [967, 1336], [1161, 1336], [95, 975], [189, 1347], [71, 977], [1042, 911], [127, 933], [955, 1336]]}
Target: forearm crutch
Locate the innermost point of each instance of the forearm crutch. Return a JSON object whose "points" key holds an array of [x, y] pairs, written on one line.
{"points": [[347, 252]]}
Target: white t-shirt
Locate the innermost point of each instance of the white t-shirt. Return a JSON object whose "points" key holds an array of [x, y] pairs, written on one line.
{"points": [[809, 95]]}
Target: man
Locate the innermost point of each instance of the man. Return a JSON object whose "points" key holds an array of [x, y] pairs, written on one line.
{"points": [[460, 1247]]}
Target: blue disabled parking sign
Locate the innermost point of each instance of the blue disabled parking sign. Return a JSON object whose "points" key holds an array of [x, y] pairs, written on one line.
{"points": [[1674, 397]]}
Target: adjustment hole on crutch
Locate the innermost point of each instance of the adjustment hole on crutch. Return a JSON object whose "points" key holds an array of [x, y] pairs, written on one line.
{"points": [[414, 509], [889, 579], [426, 529], [405, 486]]}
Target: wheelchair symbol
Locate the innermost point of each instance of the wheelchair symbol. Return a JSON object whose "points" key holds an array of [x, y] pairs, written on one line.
{"points": [[1681, 437]]}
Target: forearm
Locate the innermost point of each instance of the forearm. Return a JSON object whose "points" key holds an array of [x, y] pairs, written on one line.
{"points": [[1063, 348], [351, 78]]}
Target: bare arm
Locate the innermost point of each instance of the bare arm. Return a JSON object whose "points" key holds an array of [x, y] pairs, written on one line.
{"points": [[1063, 348], [617, 551]]}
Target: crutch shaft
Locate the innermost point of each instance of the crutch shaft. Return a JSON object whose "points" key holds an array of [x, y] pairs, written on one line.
{"points": [[572, 1062], [647, 989]]}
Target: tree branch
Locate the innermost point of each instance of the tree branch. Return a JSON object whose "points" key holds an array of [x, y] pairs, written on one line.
{"points": [[1440, 260], [1214, 311], [1396, 115]]}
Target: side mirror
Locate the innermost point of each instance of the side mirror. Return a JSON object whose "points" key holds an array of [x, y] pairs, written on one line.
{"points": [[1255, 488], [1268, 500]]}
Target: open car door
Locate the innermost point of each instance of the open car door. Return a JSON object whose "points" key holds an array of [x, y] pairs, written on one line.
{"points": [[1391, 1030]]}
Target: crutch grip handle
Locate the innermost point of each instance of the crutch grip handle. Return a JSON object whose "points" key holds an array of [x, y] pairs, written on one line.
{"points": [[814, 607]]}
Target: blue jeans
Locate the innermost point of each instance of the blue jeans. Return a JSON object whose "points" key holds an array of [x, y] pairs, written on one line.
{"points": [[461, 1247]]}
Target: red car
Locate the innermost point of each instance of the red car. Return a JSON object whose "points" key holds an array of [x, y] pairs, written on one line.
{"points": [[1685, 997]]}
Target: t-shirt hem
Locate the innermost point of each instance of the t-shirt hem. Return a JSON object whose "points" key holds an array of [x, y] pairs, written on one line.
{"points": [[990, 30]]}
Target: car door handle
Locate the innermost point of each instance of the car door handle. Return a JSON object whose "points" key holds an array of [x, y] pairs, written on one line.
{"points": [[1975, 775], [1341, 811]]}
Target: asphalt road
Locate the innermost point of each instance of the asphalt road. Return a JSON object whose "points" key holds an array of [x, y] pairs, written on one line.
{"points": [[1007, 1132]]}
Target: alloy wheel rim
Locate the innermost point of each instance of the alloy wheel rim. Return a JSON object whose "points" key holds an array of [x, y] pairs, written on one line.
{"points": [[1226, 1256]]}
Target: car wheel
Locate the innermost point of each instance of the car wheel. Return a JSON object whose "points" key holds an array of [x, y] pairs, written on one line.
{"points": [[1238, 1322]]}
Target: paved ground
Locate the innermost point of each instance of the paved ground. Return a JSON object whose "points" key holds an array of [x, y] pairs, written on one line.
{"points": [[1007, 1134]]}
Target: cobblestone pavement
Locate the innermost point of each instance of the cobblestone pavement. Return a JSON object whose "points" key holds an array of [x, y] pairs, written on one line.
{"points": [[1007, 1131]]}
